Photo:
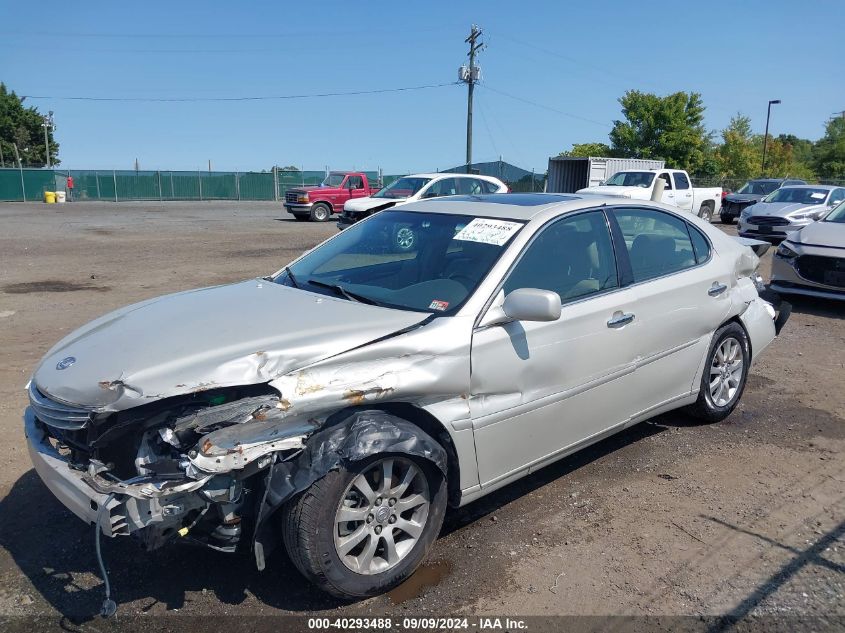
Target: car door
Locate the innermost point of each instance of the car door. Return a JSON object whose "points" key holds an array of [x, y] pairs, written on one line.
{"points": [[683, 191], [682, 296], [356, 187], [539, 388], [668, 191]]}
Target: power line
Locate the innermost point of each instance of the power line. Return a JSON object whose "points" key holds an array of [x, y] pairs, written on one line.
{"points": [[257, 98], [540, 105]]}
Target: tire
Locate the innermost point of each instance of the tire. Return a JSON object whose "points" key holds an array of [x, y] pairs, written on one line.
{"points": [[404, 239], [327, 551], [726, 219], [706, 212], [320, 212], [716, 401]]}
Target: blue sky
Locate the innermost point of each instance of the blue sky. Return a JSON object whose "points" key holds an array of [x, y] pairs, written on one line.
{"points": [[575, 59]]}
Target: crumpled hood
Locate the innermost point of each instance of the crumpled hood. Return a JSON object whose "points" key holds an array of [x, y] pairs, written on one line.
{"points": [[782, 209], [244, 333], [368, 203], [821, 234], [617, 191]]}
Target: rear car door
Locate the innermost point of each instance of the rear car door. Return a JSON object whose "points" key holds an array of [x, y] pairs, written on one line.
{"points": [[682, 296], [683, 191], [539, 388]]}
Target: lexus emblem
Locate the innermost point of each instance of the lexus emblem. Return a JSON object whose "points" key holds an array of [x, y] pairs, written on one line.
{"points": [[65, 363]]}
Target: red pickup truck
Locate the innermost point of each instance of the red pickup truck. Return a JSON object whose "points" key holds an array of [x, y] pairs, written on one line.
{"points": [[318, 202]]}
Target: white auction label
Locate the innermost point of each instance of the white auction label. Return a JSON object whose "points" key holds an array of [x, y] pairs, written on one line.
{"points": [[488, 231]]}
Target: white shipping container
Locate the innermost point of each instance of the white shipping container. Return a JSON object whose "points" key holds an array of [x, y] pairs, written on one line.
{"points": [[569, 174]]}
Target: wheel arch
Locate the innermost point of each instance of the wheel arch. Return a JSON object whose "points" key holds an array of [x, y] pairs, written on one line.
{"points": [[325, 202], [428, 423]]}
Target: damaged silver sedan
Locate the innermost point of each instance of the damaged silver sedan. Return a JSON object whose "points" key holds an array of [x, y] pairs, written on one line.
{"points": [[340, 405]]}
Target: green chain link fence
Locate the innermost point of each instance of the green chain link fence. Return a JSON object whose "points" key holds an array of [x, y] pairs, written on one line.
{"points": [[27, 184]]}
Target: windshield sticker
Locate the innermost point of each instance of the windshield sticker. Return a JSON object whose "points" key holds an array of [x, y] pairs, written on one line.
{"points": [[486, 231], [437, 304], [817, 195]]}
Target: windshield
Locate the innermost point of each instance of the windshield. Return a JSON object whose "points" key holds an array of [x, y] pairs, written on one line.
{"points": [[837, 215], [630, 179], [798, 195], [759, 188], [402, 188], [426, 262], [333, 180]]}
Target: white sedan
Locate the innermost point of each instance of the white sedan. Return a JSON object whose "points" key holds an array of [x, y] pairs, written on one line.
{"points": [[418, 187]]}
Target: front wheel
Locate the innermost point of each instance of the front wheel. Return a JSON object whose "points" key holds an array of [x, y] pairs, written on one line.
{"points": [[725, 374], [320, 212], [363, 529]]}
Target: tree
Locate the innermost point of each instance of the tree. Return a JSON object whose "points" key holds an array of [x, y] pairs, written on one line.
{"points": [[829, 152], [23, 127], [782, 160], [669, 128], [586, 150], [738, 156]]}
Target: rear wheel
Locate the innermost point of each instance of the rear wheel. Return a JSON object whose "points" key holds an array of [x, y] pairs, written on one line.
{"points": [[363, 529], [320, 212], [725, 374], [706, 212]]}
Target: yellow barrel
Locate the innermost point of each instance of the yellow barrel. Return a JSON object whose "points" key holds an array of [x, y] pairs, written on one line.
{"points": [[50, 197]]}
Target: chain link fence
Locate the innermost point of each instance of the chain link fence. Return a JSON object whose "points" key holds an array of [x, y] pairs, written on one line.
{"points": [[29, 184]]}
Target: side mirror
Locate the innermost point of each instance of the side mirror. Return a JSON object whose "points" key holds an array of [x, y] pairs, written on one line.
{"points": [[532, 304]]}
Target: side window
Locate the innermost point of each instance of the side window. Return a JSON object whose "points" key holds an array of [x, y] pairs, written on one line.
{"points": [[489, 187], [700, 245], [681, 180], [445, 187], [470, 186], [667, 180], [658, 243], [572, 257], [356, 182], [837, 196]]}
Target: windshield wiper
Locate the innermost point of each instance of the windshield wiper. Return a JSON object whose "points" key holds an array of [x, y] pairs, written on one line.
{"points": [[291, 277], [343, 292]]}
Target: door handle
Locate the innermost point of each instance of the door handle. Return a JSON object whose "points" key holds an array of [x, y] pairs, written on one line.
{"points": [[619, 319], [716, 289]]}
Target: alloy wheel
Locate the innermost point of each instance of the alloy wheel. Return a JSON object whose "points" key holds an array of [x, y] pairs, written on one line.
{"points": [[726, 369], [382, 515]]}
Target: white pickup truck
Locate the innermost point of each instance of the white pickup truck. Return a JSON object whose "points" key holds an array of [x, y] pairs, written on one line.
{"points": [[638, 184]]}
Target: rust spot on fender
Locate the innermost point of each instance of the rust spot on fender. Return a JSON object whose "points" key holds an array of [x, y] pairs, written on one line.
{"points": [[207, 446], [284, 404], [357, 396]]}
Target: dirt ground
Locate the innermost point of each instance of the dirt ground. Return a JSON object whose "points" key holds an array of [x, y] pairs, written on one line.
{"points": [[668, 518]]}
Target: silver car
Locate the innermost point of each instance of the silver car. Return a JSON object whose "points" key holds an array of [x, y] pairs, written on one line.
{"points": [[788, 209], [356, 393], [812, 261]]}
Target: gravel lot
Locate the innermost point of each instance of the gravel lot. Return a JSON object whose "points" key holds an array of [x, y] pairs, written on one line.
{"points": [[671, 517]]}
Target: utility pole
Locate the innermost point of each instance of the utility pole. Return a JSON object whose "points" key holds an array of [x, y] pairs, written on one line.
{"points": [[766, 136], [470, 75], [48, 127]]}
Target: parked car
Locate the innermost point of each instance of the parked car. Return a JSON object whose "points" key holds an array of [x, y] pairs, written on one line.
{"points": [[418, 187], [788, 209], [750, 193], [638, 184], [371, 390], [317, 203], [811, 261]]}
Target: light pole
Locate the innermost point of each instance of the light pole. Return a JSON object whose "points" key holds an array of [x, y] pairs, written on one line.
{"points": [[766, 136], [48, 127]]}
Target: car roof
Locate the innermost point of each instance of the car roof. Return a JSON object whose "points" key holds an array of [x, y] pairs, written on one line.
{"points": [[516, 206], [448, 174]]}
